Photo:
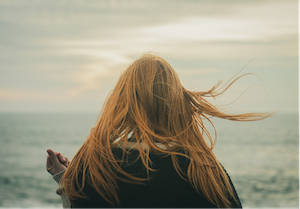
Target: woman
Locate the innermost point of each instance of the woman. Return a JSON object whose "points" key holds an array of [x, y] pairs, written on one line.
{"points": [[149, 147]]}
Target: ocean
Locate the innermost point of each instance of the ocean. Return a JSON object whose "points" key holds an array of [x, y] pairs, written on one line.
{"points": [[261, 157]]}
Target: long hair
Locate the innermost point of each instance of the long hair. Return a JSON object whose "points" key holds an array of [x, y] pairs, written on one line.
{"points": [[150, 103]]}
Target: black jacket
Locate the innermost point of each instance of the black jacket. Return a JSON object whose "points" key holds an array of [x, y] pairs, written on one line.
{"points": [[165, 189]]}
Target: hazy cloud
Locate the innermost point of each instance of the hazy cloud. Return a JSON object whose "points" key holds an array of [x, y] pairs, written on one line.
{"points": [[75, 51]]}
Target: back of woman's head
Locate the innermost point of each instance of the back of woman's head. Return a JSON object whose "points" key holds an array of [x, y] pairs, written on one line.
{"points": [[149, 107], [151, 91]]}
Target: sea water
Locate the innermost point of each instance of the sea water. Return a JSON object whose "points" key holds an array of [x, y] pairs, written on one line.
{"points": [[261, 157]]}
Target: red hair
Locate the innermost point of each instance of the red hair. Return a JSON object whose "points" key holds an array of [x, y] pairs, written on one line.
{"points": [[150, 103]]}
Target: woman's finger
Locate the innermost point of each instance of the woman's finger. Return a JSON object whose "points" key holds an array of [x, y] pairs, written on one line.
{"points": [[53, 156], [63, 159], [49, 164]]}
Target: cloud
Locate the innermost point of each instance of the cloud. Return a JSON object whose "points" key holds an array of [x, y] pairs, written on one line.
{"points": [[259, 23], [74, 51], [250, 27]]}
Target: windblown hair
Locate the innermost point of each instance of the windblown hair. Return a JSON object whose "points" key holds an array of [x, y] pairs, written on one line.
{"points": [[150, 103]]}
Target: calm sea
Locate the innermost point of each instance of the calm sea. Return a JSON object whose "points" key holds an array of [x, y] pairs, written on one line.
{"points": [[261, 157]]}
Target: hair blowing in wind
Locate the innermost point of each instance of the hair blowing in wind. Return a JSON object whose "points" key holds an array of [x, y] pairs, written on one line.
{"points": [[147, 107]]}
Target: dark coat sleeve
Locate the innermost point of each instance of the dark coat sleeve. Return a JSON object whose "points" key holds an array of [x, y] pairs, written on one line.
{"points": [[234, 204], [93, 200]]}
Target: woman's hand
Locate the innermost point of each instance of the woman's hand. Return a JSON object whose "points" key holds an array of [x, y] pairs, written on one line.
{"points": [[56, 162]]}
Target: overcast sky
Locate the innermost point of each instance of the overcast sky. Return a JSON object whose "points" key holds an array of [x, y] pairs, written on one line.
{"points": [[65, 56]]}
